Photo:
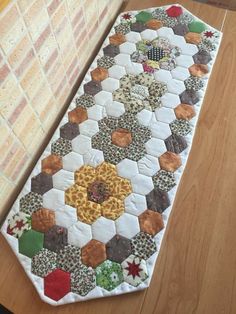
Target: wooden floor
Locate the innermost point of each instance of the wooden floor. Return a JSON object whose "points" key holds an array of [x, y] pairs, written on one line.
{"points": [[196, 268]]}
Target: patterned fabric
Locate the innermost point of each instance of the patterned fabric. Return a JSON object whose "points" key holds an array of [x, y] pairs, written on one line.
{"points": [[113, 153], [44, 262], [134, 270], [109, 275], [143, 245], [156, 54], [98, 192], [83, 280], [30, 203], [164, 180], [140, 92], [19, 223], [90, 220], [68, 258]]}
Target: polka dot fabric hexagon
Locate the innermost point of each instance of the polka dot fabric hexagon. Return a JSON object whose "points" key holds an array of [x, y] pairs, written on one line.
{"points": [[90, 219]]}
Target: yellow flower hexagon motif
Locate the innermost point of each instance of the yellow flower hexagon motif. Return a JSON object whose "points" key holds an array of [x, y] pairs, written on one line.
{"points": [[75, 194], [98, 191], [106, 171], [85, 175], [88, 212], [112, 208]]}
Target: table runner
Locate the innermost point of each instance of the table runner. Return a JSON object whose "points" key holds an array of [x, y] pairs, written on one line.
{"points": [[91, 217]]}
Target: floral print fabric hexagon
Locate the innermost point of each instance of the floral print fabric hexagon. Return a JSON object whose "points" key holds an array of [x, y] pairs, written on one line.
{"points": [[138, 92], [156, 54], [98, 192], [109, 275], [113, 152], [90, 220]]}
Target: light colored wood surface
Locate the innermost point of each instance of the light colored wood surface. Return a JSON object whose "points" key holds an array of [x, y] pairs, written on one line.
{"points": [[195, 271]]}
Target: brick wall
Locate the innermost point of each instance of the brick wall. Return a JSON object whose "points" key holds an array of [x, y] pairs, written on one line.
{"points": [[44, 46]]}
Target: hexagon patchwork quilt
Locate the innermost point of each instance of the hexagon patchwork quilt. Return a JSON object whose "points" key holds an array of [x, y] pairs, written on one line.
{"points": [[90, 219]]}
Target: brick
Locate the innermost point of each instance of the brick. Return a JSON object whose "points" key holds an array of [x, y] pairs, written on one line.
{"points": [[41, 98], [10, 40], [90, 10], [10, 147], [32, 79], [36, 22], [8, 20], [5, 148], [6, 139], [79, 28], [55, 78], [74, 76], [53, 6], [46, 49], [20, 167], [24, 4], [13, 162], [47, 112], [19, 51], [63, 96], [101, 5], [22, 120], [36, 143], [84, 55], [72, 66], [5, 187], [51, 76], [66, 45], [17, 111], [4, 131], [30, 126], [69, 57], [4, 71], [9, 100], [30, 56], [58, 16], [92, 21], [5, 90], [42, 37], [33, 88], [103, 14], [51, 60], [93, 30], [60, 86], [34, 9], [113, 6], [78, 17], [72, 5], [59, 29], [81, 39]]}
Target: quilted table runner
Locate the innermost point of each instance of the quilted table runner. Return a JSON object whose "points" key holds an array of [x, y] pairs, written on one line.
{"points": [[90, 219]]}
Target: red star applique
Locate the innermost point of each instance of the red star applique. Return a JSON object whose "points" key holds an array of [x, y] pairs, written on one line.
{"points": [[133, 269], [19, 224], [126, 16], [209, 34]]}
